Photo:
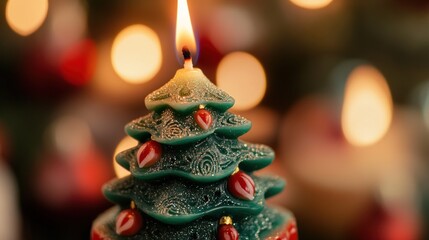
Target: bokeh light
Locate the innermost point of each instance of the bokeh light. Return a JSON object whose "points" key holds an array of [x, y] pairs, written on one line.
{"points": [[136, 54], [77, 64], [265, 125], [26, 16], [10, 220], [223, 27], [126, 143], [108, 86], [67, 24], [311, 4], [72, 135], [425, 103], [242, 75], [367, 108]]}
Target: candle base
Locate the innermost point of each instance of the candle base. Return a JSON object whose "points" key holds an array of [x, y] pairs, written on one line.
{"points": [[271, 224]]}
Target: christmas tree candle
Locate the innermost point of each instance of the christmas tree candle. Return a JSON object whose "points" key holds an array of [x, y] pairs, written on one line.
{"points": [[191, 178]]}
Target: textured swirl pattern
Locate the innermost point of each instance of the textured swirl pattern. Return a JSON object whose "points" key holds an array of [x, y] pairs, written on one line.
{"points": [[206, 164], [208, 160], [172, 206], [176, 201], [188, 90], [258, 227], [170, 127]]}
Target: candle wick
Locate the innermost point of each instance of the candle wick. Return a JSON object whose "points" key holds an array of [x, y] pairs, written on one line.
{"points": [[186, 53], [188, 58]]}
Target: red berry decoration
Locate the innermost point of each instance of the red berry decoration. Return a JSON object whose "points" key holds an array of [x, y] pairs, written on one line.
{"points": [[226, 230], [283, 236], [128, 222], [95, 235], [241, 186], [292, 232], [149, 153], [203, 118]]}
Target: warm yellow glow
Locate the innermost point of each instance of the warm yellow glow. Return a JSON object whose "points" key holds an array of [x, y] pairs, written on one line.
{"points": [[367, 108], [136, 54], [26, 16], [243, 76], [126, 143], [311, 4], [184, 32]]}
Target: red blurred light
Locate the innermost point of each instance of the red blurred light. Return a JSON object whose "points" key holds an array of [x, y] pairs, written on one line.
{"points": [[90, 174], [77, 64]]}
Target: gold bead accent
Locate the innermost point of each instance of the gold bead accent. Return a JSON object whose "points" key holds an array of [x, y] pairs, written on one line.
{"points": [[133, 205], [236, 171], [201, 106], [225, 220]]}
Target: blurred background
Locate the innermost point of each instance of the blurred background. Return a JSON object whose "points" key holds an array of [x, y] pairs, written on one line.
{"points": [[339, 88]]}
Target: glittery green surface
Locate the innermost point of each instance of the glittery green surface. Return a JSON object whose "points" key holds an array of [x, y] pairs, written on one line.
{"points": [[252, 227], [170, 127], [178, 201], [208, 160]]}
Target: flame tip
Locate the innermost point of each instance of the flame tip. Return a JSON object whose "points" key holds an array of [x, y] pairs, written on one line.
{"points": [[185, 39]]}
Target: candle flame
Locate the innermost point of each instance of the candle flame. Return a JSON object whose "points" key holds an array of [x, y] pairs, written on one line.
{"points": [[185, 38], [367, 108]]}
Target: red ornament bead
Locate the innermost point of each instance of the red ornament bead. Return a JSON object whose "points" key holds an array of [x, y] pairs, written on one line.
{"points": [[128, 222], [242, 186], [283, 236], [203, 118], [227, 232], [149, 153], [292, 232], [95, 235]]}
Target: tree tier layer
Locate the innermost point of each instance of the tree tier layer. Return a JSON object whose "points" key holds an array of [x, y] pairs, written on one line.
{"points": [[208, 160], [269, 224], [179, 201], [188, 90], [171, 127]]}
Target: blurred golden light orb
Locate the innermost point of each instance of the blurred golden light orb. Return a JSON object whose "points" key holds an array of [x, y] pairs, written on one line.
{"points": [[136, 54], [243, 76], [26, 16]]}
